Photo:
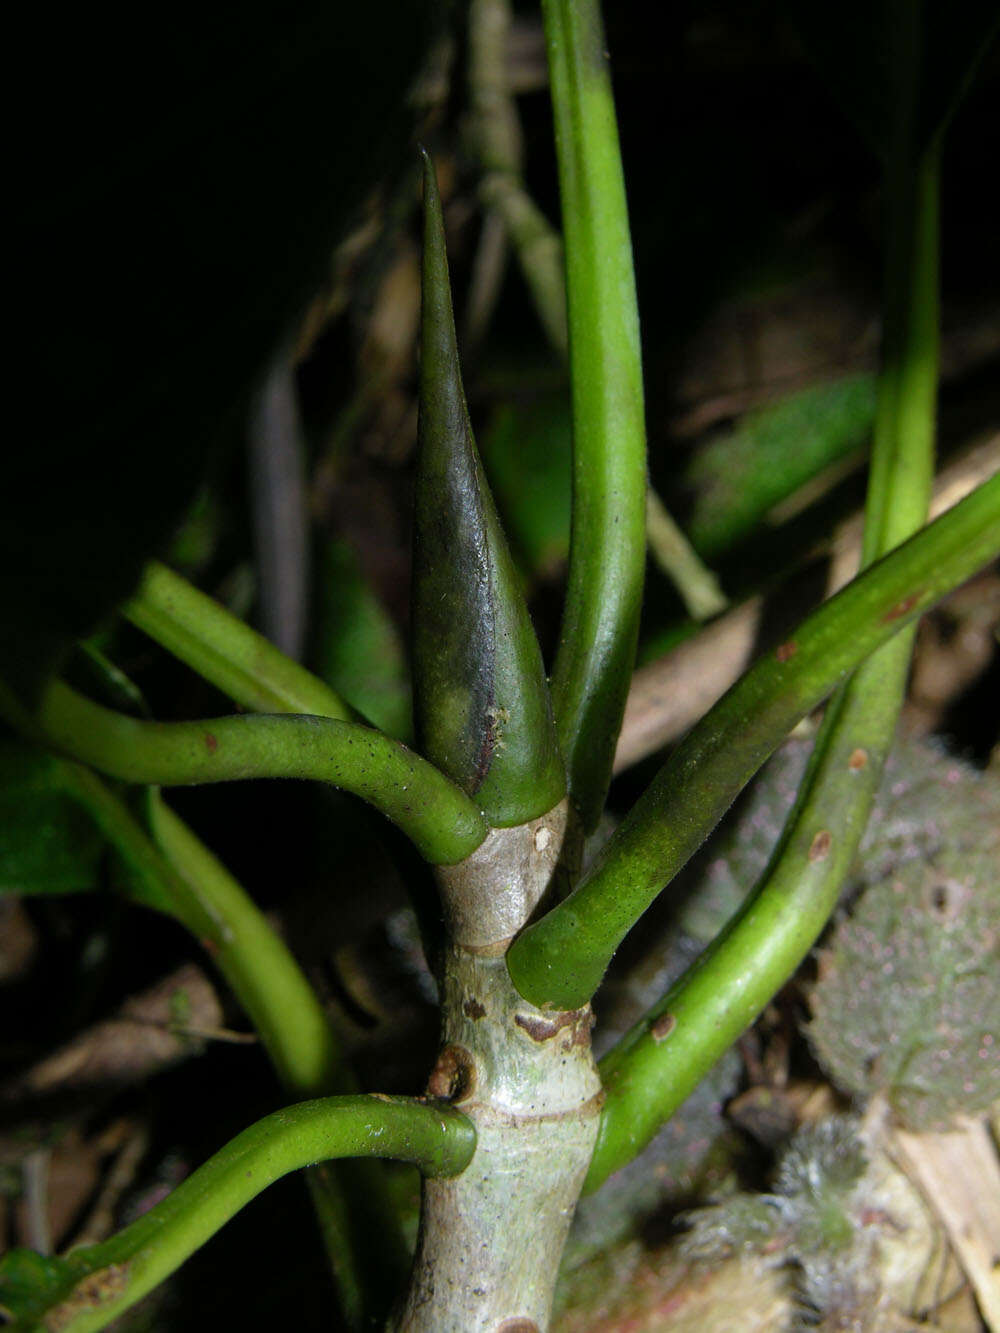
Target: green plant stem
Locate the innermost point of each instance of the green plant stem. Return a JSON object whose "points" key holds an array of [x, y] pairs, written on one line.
{"points": [[257, 964], [93, 1285], [698, 587], [539, 250], [662, 1059], [182, 878], [225, 651], [560, 961], [441, 821], [607, 549], [361, 1232], [902, 467], [656, 1065], [178, 875]]}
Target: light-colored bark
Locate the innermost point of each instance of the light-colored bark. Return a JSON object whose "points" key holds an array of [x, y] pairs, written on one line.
{"points": [[491, 1239]]}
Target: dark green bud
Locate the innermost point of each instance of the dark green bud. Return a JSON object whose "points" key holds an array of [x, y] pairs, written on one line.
{"points": [[482, 704]]}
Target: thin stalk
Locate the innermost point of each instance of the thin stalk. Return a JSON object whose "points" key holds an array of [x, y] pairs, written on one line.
{"points": [[539, 250], [699, 589], [178, 875], [441, 821], [95, 1284], [650, 1072], [656, 1065], [496, 134], [225, 651], [607, 549], [560, 961], [257, 964]]}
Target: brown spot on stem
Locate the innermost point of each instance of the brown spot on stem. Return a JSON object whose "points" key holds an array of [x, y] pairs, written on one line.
{"points": [[211, 744], [858, 760], [901, 608], [453, 1078], [473, 1009], [661, 1028], [107, 1284], [517, 1325], [819, 848], [539, 1029], [785, 651]]}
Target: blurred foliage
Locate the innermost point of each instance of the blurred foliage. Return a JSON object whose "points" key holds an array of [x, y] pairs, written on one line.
{"points": [[527, 453], [47, 843], [737, 477], [907, 991], [356, 647]]}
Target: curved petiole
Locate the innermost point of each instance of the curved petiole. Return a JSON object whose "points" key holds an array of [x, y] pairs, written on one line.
{"points": [[440, 820], [561, 959], [597, 639], [91, 1286]]}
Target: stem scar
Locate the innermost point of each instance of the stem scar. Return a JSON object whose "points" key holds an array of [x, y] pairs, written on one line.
{"points": [[453, 1078], [819, 848], [901, 608], [785, 651], [661, 1028]]}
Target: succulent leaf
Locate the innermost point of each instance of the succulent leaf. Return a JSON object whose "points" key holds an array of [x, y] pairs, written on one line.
{"points": [[482, 705]]}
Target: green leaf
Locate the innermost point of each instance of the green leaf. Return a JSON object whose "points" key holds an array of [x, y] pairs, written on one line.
{"points": [[482, 704], [48, 844], [177, 212], [357, 648], [740, 475], [527, 450]]}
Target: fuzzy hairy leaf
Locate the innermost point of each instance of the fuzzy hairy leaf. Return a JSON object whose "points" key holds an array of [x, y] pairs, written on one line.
{"points": [[907, 993]]}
